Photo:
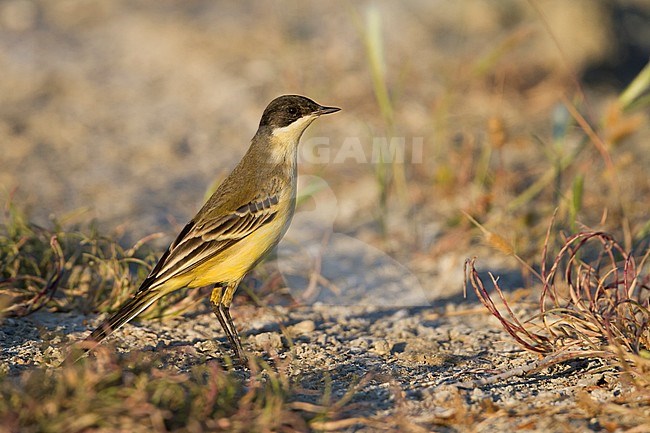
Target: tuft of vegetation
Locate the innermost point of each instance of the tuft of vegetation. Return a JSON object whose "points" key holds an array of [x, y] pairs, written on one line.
{"points": [[595, 301], [73, 268], [134, 393]]}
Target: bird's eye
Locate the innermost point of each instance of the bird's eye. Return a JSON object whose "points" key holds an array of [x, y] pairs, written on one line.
{"points": [[292, 111]]}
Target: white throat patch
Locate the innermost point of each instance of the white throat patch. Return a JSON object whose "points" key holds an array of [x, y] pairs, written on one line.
{"points": [[286, 138]]}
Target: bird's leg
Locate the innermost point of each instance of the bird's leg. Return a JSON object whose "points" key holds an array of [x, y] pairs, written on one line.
{"points": [[234, 336], [220, 300]]}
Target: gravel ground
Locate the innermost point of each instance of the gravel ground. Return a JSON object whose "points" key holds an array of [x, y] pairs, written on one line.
{"points": [[412, 359]]}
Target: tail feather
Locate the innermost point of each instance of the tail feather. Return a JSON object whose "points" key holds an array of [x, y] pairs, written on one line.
{"points": [[136, 305]]}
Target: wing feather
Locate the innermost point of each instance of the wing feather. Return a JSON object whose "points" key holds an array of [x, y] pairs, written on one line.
{"points": [[200, 241]]}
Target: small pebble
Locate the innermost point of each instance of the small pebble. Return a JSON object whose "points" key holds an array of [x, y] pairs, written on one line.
{"points": [[304, 327], [381, 347], [268, 339]]}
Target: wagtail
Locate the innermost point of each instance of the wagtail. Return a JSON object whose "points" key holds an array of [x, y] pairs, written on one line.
{"points": [[237, 227]]}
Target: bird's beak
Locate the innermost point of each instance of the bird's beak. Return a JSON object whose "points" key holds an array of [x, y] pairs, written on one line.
{"points": [[326, 110]]}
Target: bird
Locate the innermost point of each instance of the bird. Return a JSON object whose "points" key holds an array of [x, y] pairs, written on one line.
{"points": [[241, 222]]}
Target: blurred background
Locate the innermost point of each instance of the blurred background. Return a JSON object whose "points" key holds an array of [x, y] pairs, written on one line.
{"points": [[127, 112]]}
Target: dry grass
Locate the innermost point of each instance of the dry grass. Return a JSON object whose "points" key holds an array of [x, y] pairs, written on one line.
{"points": [[72, 268], [134, 393], [599, 305], [594, 303]]}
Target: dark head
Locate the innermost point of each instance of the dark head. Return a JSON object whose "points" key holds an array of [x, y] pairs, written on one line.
{"points": [[288, 109]]}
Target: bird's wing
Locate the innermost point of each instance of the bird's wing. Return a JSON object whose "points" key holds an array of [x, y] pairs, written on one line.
{"points": [[201, 240]]}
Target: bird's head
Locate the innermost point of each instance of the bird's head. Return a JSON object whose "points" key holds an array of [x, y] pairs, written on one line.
{"points": [[287, 117]]}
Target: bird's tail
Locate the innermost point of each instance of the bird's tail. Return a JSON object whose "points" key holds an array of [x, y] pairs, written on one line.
{"points": [[136, 305]]}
